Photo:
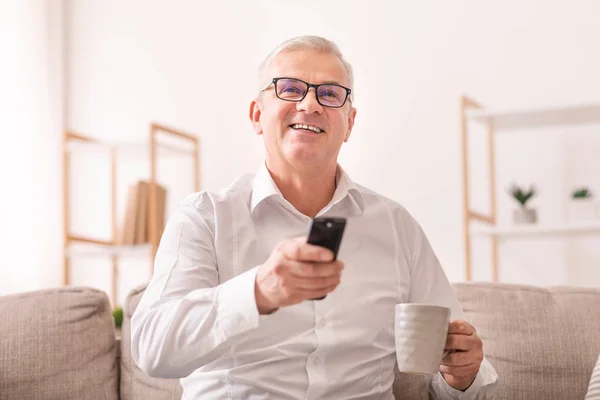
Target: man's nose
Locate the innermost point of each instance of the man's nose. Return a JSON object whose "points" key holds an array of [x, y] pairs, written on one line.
{"points": [[309, 103]]}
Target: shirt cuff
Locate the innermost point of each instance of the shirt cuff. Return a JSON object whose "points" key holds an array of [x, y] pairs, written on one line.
{"points": [[236, 305], [453, 393], [485, 379]]}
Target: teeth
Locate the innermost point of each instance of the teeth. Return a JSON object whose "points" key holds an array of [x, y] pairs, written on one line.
{"points": [[304, 126]]}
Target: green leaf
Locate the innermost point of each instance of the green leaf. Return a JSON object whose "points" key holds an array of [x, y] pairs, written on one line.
{"points": [[582, 193], [118, 316], [522, 195]]}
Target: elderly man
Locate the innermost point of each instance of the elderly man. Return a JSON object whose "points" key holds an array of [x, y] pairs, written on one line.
{"points": [[230, 309]]}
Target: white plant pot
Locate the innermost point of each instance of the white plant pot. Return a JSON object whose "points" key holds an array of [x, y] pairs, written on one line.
{"points": [[525, 215], [583, 210]]}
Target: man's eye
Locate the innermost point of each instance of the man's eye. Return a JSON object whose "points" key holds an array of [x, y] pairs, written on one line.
{"points": [[329, 93], [291, 90]]}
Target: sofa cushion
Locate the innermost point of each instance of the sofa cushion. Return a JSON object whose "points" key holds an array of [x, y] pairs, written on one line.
{"points": [[409, 386], [135, 384], [58, 344], [543, 342]]}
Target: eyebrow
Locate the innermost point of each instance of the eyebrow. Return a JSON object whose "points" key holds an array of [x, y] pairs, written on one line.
{"points": [[330, 83], [323, 83], [333, 83]]}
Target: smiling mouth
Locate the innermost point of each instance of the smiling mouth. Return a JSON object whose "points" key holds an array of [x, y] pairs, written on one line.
{"points": [[306, 127]]}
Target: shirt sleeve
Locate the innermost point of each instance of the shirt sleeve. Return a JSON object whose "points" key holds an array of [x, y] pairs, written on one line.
{"points": [[186, 317], [430, 285]]}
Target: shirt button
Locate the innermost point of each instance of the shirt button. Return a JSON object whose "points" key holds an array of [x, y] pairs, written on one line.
{"points": [[316, 361], [323, 322]]}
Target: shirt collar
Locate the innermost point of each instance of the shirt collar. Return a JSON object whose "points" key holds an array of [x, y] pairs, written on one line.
{"points": [[345, 187], [264, 187]]}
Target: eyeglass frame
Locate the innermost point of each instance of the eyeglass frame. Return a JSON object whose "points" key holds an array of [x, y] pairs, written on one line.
{"points": [[308, 86]]}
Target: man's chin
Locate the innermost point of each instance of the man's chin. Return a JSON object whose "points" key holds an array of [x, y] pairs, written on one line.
{"points": [[304, 156]]}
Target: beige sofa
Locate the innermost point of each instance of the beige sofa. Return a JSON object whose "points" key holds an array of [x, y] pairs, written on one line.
{"points": [[60, 344]]}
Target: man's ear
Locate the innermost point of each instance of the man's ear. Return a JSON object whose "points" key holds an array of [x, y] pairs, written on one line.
{"points": [[351, 117], [255, 111]]}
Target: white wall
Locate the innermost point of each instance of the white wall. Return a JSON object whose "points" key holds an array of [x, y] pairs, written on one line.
{"points": [[30, 120], [192, 65]]}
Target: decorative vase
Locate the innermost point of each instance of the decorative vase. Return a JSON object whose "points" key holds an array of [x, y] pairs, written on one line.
{"points": [[582, 209], [524, 215]]}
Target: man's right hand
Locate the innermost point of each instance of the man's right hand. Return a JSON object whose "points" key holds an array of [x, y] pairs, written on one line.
{"points": [[295, 271]]}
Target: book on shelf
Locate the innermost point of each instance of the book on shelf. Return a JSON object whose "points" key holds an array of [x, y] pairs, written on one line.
{"points": [[141, 233], [135, 228]]}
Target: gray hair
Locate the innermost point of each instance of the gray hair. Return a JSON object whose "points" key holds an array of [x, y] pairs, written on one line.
{"points": [[315, 43]]}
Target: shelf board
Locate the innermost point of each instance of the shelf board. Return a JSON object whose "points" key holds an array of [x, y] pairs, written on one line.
{"points": [[570, 229], [131, 149], [100, 250], [536, 118]]}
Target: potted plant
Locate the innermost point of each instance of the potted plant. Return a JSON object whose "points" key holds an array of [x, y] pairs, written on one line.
{"points": [[523, 214], [118, 316], [582, 206]]}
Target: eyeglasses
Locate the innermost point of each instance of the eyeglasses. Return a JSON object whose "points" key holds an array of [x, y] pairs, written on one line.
{"points": [[328, 94]]}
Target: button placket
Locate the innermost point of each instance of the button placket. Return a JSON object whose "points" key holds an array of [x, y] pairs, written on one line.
{"points": [[316, 361]]}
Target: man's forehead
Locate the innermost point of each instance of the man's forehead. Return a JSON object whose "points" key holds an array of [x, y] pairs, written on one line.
{"points": [[309, 65]]}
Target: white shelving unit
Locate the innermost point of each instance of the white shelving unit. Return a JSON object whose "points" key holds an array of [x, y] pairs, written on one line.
{"points": [[130, 150], [506, 232], [108, 250], [504, 121], [162, 141]]}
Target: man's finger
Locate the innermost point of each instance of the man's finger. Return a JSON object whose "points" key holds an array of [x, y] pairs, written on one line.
{"points": [[315, 294], [298, 249], [457, 359], [460, 327], [302, 283], [456, 341], [459, 372], [301, 269]]}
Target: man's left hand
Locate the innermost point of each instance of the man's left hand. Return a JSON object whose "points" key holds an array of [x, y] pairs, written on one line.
{"points": [[460, 367]]}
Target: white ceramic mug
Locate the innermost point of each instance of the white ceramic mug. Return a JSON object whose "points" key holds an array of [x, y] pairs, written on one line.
{"points": [[421, 333]]}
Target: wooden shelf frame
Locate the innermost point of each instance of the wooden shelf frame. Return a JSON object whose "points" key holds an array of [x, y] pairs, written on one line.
{"points": [[156, 130], [468, 213], [503, 120]]}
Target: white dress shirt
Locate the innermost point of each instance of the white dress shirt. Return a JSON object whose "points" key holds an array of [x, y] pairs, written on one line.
{"points": [[198, 318]]}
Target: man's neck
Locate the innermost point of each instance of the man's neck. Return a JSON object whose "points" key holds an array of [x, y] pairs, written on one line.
{"points": [[309, 190]]}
